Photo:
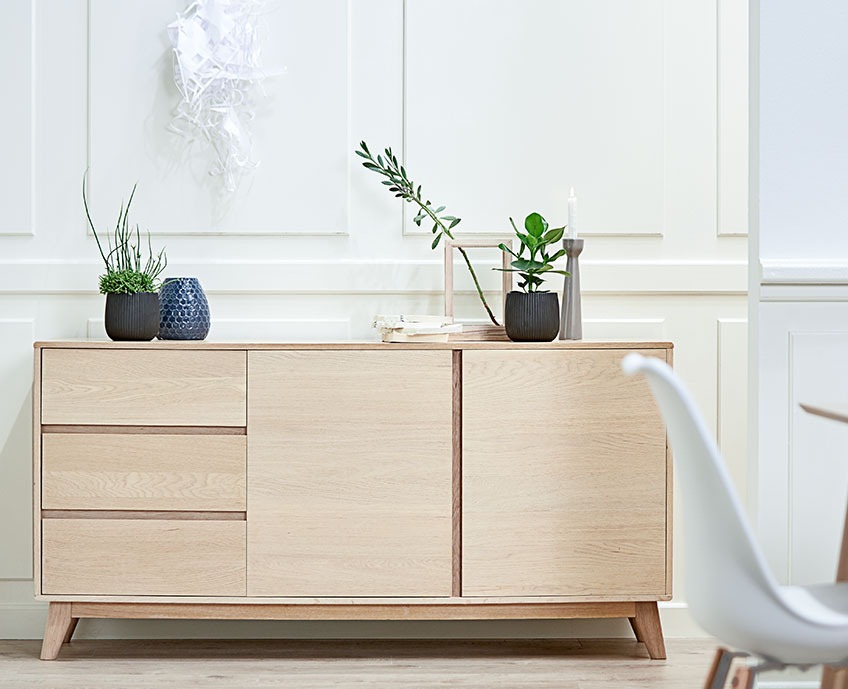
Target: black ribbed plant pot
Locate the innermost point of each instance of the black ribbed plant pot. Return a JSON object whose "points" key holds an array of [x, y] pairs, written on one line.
{"points": [[132, 316], [532, 316]]}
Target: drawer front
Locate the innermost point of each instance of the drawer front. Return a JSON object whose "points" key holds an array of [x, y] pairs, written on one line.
{"points": [[135, 557], [106, 471], [133, 387]]}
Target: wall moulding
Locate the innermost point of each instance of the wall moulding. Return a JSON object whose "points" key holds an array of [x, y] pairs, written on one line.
{"points": [[383, 276], [804, 272]]}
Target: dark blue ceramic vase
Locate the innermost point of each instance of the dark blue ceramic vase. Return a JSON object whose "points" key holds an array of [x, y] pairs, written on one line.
{"points": [[183, 310]]}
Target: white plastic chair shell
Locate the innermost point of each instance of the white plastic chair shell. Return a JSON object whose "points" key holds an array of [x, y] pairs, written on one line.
{"points": [[730, 589]]}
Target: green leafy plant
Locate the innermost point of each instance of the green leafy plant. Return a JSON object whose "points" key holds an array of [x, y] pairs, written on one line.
{"points": [[125, 271], [400, 184], [533, 267]]}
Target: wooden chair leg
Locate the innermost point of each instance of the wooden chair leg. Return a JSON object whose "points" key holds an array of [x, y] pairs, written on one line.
{"points": [[834, 678], [648, 629], [59, 626], [723, 659], [743, 678]]}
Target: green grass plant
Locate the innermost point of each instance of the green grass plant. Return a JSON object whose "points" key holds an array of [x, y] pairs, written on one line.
{"points": [[126, 270]]}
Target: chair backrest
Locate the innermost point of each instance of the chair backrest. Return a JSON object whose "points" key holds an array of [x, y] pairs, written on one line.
{"points": [[729, 587]]}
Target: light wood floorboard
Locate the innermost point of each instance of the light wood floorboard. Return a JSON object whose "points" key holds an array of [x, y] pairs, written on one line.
{"points": [[237, 664]]}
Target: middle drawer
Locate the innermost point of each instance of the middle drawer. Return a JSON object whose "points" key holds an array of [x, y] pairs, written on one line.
{"points": [[106, 471]]}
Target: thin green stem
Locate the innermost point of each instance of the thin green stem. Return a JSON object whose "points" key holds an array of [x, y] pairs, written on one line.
{"points": [[464, 255], [404, 188]]}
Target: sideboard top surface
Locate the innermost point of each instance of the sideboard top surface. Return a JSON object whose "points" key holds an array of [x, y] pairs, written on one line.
{"points": [[364, 344]]}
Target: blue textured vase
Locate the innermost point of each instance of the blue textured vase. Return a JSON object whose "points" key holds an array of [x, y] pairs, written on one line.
{"points": [[183, 310]]}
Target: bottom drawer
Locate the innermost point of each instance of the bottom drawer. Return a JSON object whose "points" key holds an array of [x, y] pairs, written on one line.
{"points": [[143, 557]]}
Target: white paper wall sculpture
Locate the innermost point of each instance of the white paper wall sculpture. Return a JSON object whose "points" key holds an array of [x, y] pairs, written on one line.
{"points": [[218, 72]]}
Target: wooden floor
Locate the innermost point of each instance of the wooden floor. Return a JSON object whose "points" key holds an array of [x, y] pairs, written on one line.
{"points": [[564, 664]]}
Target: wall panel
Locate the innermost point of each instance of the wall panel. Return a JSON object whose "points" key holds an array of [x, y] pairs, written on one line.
{"points": [[593, 117], [498, 107], [17, 37], [305, 154]]}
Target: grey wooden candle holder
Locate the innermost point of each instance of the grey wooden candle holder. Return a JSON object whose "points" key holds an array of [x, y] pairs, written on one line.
{"points": [[571, 323]]}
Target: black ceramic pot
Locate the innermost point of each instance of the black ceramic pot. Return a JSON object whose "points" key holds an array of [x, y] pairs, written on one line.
{"points": [[532, 317], [132, 316]]}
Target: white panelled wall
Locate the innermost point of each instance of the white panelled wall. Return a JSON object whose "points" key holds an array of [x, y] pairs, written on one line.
{"points": [[497, 107], [800, 293]]}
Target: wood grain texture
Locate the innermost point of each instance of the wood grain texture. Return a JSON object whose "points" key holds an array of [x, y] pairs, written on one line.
{"points": [[72, 627], [306, 601], [56, 629], [164, 345], [36, 471], [143, 514], [834, 678], [159, 387], [340, 611], [149, 472], [669, 504], [355, 663], [145, 430], [648, 629], [456, 511], [349, 486], [564, 477], [143, 557]]}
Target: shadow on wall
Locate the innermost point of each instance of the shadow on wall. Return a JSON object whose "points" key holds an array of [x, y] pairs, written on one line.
{"points": [[16, 468]]}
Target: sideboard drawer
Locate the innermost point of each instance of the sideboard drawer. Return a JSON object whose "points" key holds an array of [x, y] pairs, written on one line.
{"points": [[143, 557], [108, 471], [131, 387]]}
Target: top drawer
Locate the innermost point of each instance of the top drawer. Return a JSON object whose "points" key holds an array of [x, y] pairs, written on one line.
{"points": [[140, 387]]}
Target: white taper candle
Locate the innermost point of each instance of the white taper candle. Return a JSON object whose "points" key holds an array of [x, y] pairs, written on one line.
{"points": [[572, 214]]}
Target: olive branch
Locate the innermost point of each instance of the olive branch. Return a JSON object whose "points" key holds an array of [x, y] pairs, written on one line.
{"points": [[404, 188]]}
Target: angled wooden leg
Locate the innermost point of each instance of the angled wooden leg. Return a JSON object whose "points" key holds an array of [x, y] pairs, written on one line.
{"points": [[743, 678], [720, 669], [71, 629], [635, 629], [648, 629], [59, 622], [834, 678]]}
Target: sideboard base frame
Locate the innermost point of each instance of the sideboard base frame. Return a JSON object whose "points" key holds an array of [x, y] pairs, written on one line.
{"points": [[62, 617]]}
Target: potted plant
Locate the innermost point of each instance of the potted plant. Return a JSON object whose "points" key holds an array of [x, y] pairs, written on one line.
{"points": [[130, 285], [532, 315]]}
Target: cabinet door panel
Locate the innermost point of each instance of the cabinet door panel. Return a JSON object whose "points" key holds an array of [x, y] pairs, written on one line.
{"points": [[349, 473], [564, 477]]}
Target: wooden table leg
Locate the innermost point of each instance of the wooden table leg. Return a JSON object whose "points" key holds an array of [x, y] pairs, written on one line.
{"points": [[648, 629], [59, 627], [831, 677]]}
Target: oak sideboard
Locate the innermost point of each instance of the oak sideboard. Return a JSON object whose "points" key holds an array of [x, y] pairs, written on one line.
{"points": [[482, 480]]}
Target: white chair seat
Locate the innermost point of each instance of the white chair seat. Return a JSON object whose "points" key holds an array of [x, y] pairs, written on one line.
{"points": [[825, 604]]}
